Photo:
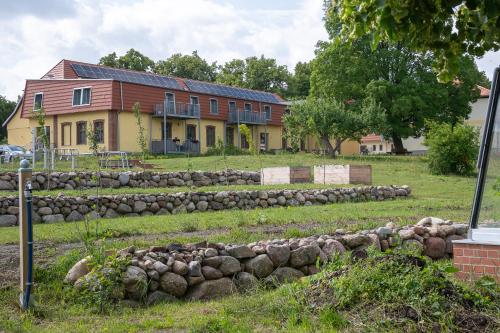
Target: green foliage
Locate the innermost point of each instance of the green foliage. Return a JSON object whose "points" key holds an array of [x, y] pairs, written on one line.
{"points": [[131, 60], [6, 108], [394, 85], [326, 119], [93, 140], [452, 150], [187, 66], [40, 118], [299, 82], [102, 287], [247, 133], [255, 73], [141, 138], [447, 29]]}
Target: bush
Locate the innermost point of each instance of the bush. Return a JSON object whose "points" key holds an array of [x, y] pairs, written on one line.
{"points": [[452, 149]]}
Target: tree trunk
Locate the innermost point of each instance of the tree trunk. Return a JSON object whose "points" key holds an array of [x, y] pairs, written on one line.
{"points": [[325, 143], [338, 144], [399, 149]]}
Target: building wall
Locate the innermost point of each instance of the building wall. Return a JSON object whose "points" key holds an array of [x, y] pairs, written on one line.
{"points": [[58, 96], [18, 131], [88, 117]]}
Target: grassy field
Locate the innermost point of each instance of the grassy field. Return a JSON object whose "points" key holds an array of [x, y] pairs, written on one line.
{"points": [[448, 197]]}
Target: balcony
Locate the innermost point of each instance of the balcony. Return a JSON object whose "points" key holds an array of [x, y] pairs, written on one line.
{"points": [[247, 117], [175, 147], [177, 110]]}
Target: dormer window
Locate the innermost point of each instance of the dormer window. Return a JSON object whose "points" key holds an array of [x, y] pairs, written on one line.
{"points": [[81, 96], [38, 101]]}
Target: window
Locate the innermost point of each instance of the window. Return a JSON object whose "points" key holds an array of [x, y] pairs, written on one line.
{"points": [[81, 133], [66, 134], [248, 107], [170, 102], [232, 106], [381, 147], [229, 136], [374, 148], [169, 131], [244, 142], [38, 101], [214, 106], [99, 130], [191, 132], [210, 136], [264, 139], [81, 96], [267, 110]]}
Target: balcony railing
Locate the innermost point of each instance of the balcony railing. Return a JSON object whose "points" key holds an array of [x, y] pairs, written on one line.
{"points": [[175, 147], [179, 110], [247, 117]]}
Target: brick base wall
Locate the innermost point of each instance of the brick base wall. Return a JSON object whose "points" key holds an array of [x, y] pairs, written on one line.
{"points": [[476, 260]]}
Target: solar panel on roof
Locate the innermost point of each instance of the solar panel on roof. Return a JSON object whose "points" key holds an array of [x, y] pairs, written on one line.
{"points": [[95, 72], [234, 92]]}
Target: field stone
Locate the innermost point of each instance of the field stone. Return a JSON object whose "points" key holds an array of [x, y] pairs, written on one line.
{"points": [[8, 220], [229, 265], [194, 268], [193, 280], [135, 281], [211, 273], [413, 245], [158, 296], [160, 267], [211, 253], [214, 262], [139, 206], [260, 266], [240, 251], [435, 247], [211, 289], [77, 271], [332, 248], [53, 218], [173, 284], [74, 216], [406, 234], [354, 240], [279, 254], [245, 281], [45, 211], [180, 267], [304, 255], [284, 275], [124, 178]]}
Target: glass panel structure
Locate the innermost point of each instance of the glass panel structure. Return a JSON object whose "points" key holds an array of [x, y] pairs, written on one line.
{"points": [[485, 217]]}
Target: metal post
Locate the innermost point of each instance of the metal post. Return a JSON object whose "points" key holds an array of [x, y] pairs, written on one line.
{"points": [[33, 146], [165, 106], [25, 248], [199, 136], [238, 122]]}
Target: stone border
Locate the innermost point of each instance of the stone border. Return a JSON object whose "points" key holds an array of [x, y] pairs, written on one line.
{"points": [[48, 209], [129, 179], [208, 270]]}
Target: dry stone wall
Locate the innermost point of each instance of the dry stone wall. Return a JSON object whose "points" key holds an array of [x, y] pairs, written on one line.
{"points": [[48, 209], [208, 270], [128, 179]]}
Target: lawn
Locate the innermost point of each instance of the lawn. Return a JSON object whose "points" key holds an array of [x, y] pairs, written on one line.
{"points": [[444, 196]]}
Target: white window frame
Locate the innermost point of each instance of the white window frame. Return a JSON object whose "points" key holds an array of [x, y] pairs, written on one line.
{"points": [[81, 97], [217, 105], [270, 111], [34, 101], [244, 107], [197, 97], [229, 106], [169, 93]]}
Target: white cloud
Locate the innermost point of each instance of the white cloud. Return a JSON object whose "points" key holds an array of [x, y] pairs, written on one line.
{"points": [[89, 29]]}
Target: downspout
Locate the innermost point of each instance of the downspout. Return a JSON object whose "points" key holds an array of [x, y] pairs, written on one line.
{"points": [[118, 117]]}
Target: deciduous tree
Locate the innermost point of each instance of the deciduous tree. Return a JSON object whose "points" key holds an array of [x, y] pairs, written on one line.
{"points": [[187, 66], [449, 29], [131, 60]]}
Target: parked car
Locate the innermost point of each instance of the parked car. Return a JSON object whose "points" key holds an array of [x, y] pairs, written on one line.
{"points": [[9, 152]]}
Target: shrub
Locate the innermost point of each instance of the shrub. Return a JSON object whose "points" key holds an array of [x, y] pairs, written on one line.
{"points": [[452, 149]]}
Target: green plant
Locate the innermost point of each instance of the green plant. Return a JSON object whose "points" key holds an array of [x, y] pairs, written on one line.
{"points": [[93, 140], [42, 134], [141, 139], [452, 150]]}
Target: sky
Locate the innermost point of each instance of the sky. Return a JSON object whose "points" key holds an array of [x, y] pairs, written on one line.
{"points": [[35, 34]]}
